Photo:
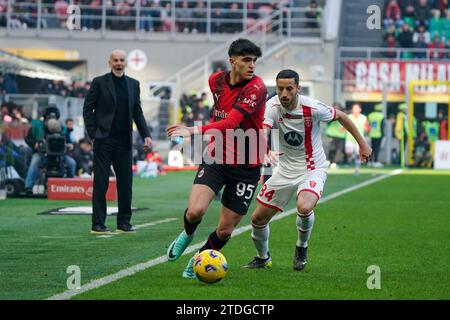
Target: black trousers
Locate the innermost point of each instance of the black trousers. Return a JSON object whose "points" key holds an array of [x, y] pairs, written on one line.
{"points": [[118, 153], [336, 145], [376, 143]]}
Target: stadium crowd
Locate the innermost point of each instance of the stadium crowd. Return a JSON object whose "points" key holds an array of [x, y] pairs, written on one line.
{"points": [[9, 84], [76, 89], [195, 108], [154, 15], [421, 24]]}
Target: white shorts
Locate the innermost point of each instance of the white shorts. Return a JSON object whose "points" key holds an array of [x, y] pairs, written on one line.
{"points": [[351, 148], [278, 190]]}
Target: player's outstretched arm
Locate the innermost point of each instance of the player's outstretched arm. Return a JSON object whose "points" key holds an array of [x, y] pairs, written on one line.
{"points": [[231, 122], [365, 151]]}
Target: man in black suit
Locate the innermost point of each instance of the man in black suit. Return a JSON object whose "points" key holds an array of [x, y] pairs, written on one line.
{"points": [[111, 105]]}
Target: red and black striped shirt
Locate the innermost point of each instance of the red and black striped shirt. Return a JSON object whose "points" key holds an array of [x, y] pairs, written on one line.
{"points": [[239, 106]]}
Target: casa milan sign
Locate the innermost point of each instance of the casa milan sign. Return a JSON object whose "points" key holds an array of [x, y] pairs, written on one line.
{"points": [[369, 75]]}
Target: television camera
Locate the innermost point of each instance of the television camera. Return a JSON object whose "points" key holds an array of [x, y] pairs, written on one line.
{"points": [[52, 149]]}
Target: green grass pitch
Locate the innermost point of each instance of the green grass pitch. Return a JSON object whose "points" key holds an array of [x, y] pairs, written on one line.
{"points": [[400, 224]]}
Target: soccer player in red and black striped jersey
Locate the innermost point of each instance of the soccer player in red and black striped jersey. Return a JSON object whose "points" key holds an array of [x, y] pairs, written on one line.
{"points": [[239, 103]]}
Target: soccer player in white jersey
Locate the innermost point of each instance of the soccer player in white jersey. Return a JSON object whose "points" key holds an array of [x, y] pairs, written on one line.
{"points": [[302, 165]]}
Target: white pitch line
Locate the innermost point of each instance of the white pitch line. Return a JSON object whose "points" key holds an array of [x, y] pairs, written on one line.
{"points": [[145, 265], [145, 225], [139, 226]]}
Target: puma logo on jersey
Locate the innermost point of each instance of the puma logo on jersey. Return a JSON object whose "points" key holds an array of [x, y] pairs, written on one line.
{"points": [[257, 87]]}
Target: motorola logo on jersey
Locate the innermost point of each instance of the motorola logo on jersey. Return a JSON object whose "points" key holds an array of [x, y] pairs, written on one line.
{"points": [[293, 138]]}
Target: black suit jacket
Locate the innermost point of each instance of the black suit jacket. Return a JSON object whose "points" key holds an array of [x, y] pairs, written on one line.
{"points": [[100, 105]]}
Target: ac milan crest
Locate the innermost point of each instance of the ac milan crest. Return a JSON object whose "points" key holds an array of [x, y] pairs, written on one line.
{"points": [[201, 173], [312, 183]]}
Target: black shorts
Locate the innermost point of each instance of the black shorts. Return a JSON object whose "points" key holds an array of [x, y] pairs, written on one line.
{"points": [[240, 184]]}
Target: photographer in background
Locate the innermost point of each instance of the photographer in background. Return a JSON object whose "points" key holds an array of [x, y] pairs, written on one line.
{"points": [[36, 137], [84, 157], [68, 134]]}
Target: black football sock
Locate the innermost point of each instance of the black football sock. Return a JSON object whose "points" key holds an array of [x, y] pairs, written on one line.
{"points": [[190, 227], [214, 242]]}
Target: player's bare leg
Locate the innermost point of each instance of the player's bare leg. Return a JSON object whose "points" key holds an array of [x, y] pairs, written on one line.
{"points": [[227, 223], [260, 236], [306, 201], [199, 200], [218, 238]]}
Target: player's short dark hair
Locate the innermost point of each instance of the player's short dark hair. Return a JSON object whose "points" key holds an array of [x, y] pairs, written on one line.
{"points": [[243, 47], [289, 74]]}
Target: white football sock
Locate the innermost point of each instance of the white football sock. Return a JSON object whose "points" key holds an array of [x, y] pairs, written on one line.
{"points": [[260, 236], [357, 163], [304, 228]]}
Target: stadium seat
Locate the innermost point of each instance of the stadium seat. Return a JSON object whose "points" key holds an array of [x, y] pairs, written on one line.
{"points": [[167, 25], [410, 21], [436, 26], [407, 55], [250, 23], [446, 28], [264, 14]]}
